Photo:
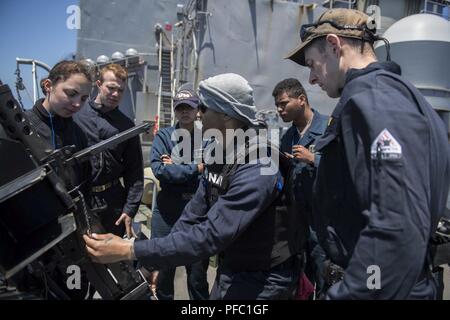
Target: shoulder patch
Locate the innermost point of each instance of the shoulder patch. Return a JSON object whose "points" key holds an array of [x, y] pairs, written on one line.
{"points": [[385, 147]]}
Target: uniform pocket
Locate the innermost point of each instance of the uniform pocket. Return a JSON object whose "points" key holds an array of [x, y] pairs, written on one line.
{"points": [[392, 175], [388, 199]]}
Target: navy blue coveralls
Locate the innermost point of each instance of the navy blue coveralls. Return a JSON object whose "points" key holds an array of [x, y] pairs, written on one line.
{"points": [[238, 227], [305, 173], [381, 186], [123, 160], [304, 176], [178, 184]]}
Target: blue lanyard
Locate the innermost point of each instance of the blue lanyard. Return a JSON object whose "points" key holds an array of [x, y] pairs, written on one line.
{"points": [[52, 129]]}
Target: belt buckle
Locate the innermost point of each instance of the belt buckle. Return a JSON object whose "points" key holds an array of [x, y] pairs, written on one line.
{"points": [[102, 187]]}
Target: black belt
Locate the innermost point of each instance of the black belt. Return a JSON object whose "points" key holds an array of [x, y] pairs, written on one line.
{"points": [[105, 186]]}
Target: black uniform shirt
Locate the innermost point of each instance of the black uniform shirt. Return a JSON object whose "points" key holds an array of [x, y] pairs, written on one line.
{"points": [[60, 132], [122, 160]]}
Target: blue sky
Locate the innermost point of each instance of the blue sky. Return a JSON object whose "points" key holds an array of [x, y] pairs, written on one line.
{"points": [[35, 30]]}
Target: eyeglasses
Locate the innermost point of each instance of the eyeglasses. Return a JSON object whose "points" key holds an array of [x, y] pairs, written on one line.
{"points": [[202, 108], [304, 30]]}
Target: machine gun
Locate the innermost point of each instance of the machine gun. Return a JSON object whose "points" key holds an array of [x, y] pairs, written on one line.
{"points": [[43, 217]]}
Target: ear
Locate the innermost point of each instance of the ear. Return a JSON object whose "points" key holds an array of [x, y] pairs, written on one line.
{"points": [[98, 83], [334, 44], [48, 85], [302, 99], [226, 117], [228, 122]]}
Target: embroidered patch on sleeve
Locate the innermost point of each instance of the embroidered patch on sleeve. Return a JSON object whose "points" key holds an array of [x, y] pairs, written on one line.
{"points": [[385, 147]]}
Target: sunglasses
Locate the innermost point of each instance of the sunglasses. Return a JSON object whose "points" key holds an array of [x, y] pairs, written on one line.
{"points": [[202, 108], [305, 29]]}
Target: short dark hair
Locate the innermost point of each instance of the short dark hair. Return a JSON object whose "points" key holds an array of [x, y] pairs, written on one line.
{"points": [[291, 86], [41, 84]]}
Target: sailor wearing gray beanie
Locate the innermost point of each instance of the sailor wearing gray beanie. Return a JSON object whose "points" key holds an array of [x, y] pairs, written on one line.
{"points": [[230, 94], [235, 213]]}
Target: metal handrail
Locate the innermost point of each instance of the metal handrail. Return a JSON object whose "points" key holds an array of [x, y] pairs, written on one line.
{"points": [[34, 63]]}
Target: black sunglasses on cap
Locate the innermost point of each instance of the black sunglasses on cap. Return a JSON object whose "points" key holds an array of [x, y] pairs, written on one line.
{"points": [[304, 28], [367, 35]]}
